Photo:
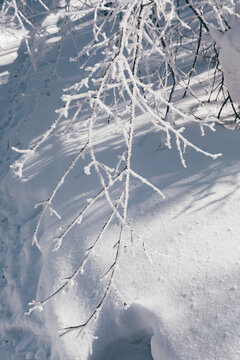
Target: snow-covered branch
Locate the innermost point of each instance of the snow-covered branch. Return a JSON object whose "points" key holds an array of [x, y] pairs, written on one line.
{"points": [[133, 66]]}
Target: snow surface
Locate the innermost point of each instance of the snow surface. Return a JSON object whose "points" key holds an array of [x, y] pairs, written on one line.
{"points": [[179, 299], [229, 56]]}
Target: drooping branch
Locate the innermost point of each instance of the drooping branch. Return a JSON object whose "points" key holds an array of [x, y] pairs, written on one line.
{"points": [[131, 66]]}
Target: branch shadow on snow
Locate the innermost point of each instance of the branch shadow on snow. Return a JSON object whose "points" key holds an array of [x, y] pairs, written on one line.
{"points": [[210, 182]]}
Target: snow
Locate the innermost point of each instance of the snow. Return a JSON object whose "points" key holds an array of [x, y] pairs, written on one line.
{"points": [[10, 41], [174, 297], [229, 56]]}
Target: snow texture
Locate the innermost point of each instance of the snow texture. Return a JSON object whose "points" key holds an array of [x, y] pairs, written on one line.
{"points": [[176, 299]]}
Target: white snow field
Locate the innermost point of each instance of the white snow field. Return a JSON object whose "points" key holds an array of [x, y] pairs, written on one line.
{"points": [[175, 293]]}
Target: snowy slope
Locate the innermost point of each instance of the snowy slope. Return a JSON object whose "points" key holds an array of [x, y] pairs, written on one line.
{"points": [[176, 297]]}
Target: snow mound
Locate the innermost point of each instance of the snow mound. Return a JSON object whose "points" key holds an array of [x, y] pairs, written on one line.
{"points": [[150, 317], [136, 333]]}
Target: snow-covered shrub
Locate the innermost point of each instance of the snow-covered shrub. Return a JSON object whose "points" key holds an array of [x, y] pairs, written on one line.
{"points": [[143, 59]]}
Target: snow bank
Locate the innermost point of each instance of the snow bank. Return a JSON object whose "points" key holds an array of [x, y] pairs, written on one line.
{"points": [[138, 332]]}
